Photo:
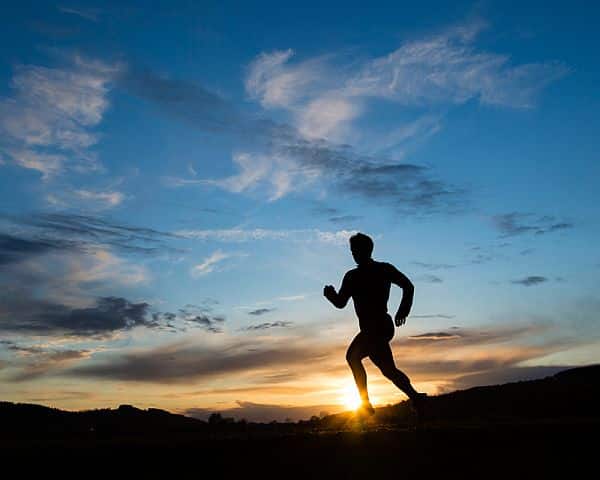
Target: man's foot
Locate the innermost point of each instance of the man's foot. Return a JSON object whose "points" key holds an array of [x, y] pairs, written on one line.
{"points": [[365, 409], [418, 404]]}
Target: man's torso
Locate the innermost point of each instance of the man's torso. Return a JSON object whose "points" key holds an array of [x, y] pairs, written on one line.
{"points": [[369, 287]]}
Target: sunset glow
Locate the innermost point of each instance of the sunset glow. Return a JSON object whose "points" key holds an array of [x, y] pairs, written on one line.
{"points": [[349, 398], [178, 183]]}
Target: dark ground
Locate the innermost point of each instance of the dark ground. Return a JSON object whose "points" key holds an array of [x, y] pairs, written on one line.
{"points": [[534, 429], [516, 451]]}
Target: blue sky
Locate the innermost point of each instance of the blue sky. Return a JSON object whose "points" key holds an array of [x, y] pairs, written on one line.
{"points": [[177, 184]]}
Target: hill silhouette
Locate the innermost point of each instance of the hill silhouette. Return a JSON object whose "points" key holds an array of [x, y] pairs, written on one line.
{"points": [[570, 394], [538, 427]]}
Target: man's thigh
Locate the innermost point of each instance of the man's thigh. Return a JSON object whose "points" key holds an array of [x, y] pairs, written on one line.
{"points": [[379, 352], [359, 347]]}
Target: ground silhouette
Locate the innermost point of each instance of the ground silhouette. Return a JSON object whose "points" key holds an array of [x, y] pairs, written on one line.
{"points": [[531, 428]]}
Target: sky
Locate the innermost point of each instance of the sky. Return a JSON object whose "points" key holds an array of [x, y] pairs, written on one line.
{"points": [[179, 181]]}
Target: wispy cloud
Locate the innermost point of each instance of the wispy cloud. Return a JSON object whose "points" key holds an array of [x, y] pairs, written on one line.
{"points": [[328, 117], [442, 69], [245, 235], [36, 362], [321, 209], [345, 219], [292, 166], [516, 223], [428, 343], [429, 278], [326, 93], [91, 200], [90, 232], [14, 249], [434, 266], [90, 14], [430, 356], [291, 298], [268, 325], [261, 311], [271, 80], [278, 157], [63, 270], [47, 123], [184, 362], [448, 68], [209, 264], [400, 139], [185, 101], [106, 199], [285, 298], [278, 173], [435, 336], [530, 280]]}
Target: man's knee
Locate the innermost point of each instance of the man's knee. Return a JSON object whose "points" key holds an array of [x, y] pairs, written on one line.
{"points": [[352, 357], [349, 357]]}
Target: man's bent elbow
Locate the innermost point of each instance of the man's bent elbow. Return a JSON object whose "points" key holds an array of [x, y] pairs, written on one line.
{"points": [[340, 302]]}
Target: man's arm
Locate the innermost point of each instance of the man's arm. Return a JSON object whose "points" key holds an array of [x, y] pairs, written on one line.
{"points": [[408, 292], [340, 299]]}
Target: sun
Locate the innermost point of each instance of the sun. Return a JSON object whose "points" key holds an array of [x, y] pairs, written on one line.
{"points": [[350, 398]]}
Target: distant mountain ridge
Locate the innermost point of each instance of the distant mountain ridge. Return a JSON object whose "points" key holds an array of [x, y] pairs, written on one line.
{"points": [[570, 394]]}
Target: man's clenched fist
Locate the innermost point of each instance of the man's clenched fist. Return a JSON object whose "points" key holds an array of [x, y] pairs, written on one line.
{"points": [[329, 290]]}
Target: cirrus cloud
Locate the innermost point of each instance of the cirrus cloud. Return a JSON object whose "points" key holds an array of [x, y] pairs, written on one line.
{"points": [[47, 123]]}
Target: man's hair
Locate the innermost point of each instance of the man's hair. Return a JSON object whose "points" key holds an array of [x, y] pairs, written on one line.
{"points": [[362, 242]]}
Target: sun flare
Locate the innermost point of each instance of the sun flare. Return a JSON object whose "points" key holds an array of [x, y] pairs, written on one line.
{"points": [[350, 398]]}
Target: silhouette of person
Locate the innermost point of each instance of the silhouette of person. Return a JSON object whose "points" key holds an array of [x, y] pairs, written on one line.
{"points": [[369, 287]]}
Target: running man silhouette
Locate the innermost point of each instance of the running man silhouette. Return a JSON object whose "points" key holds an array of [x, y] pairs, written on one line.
{"points": [[369, 287]]}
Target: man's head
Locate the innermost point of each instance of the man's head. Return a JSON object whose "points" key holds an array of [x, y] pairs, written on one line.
{"points": [[361, 246]]}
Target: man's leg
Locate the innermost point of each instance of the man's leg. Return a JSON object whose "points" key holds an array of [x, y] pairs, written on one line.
{"points": [[354, 356], [381, 355]]}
